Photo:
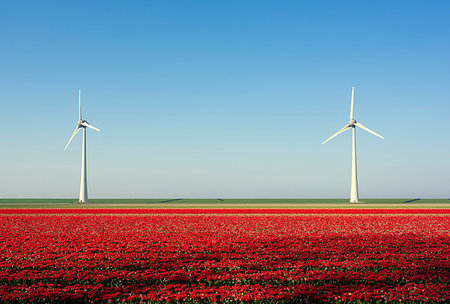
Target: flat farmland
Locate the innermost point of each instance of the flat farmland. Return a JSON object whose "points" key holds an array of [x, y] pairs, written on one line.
{"points": [[226, 203], [227, 256]]}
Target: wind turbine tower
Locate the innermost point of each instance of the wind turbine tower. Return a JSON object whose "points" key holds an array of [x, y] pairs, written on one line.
{"points": [[354, 195], [82, 124]]}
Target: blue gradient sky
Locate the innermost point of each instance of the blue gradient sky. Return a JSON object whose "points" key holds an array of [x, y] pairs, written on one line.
{"points": [[225, 98]]}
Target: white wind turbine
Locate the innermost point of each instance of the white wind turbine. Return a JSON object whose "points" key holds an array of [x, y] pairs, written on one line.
{"points": [[354, 196], [82, 124]]}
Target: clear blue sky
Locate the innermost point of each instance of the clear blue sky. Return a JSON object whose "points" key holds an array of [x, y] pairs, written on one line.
{"points": [[225, 98]]}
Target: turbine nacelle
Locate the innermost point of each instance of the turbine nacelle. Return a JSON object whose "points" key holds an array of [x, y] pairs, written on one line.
{"points": [[81, 124], [353, 123]]}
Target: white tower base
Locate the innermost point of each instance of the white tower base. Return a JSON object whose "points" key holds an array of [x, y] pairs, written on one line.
{"points": [[83, 185], [354, 195]]}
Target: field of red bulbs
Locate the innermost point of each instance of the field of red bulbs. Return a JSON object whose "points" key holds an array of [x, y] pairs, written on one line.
{"points": [[190, 256]]}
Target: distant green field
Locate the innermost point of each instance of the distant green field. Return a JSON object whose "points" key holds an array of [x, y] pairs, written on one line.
{"points": [[224, 203]]}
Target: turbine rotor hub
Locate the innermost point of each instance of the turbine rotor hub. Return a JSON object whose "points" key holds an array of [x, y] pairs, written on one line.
{"points": [[352, 123], [80, 122]]}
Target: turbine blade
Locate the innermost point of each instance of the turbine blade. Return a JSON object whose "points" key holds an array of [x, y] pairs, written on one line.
{"points": [[89, 126], [79, 104], [337, 133], [368, 130], [73, 135], [351, 107]]}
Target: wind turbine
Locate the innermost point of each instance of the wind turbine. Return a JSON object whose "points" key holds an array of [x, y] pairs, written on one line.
{"points": [[82, 124], [354, 196]]}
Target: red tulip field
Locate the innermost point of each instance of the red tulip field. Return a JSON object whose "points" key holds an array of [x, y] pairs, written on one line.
{"points": [[224, 256]]}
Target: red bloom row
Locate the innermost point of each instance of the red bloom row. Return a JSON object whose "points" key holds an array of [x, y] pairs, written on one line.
{"points": [[224, 258]]}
